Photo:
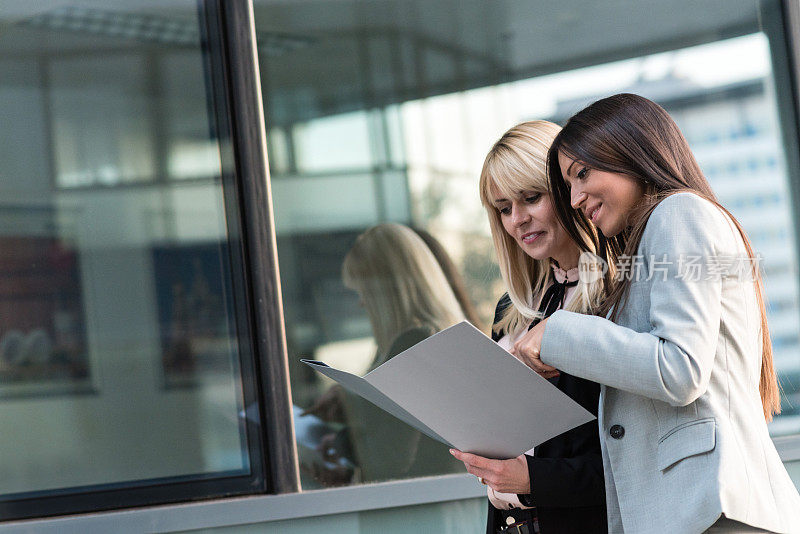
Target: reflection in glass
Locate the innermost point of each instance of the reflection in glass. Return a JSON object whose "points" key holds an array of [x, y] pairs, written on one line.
{"points": [[119, 353], [408, 298], [401, 286], [91, 149], [43, 338], [384, 112]]}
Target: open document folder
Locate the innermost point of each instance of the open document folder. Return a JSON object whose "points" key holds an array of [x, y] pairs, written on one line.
{"points": [[461, 388]]}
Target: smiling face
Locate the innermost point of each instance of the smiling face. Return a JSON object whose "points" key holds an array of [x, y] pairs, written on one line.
{"points": [[605, 198], [530, 220]]}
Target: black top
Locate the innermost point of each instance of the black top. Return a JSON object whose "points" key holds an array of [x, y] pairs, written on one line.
{"points": [[566, 472]]}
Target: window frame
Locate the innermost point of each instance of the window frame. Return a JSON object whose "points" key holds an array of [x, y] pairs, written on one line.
{"points": [[239, 73], [227, 44]]}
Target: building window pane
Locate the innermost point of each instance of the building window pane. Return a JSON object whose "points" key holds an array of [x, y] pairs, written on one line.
{"points": [[120, 311]]}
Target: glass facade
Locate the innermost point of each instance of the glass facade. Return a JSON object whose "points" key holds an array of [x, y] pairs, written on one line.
{"points": [[131, 353], [120, 313], [382, 112]]}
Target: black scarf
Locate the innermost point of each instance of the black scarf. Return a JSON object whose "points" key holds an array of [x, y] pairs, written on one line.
{"points": [[553, 299]]}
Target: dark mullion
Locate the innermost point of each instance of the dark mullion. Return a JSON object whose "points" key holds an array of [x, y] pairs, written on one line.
{"points": [[247, 125], [218, 82]]}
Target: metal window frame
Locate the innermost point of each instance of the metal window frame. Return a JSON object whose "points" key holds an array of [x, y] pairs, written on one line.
{"points": [[261, 508], [243, 90], [268, 508]]}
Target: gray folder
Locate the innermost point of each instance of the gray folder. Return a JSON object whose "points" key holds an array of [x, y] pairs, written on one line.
{"points": [[461, 388]]}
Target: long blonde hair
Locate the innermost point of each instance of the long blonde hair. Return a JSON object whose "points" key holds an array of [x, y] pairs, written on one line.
{"points": [[518, 162], [400, 283]]}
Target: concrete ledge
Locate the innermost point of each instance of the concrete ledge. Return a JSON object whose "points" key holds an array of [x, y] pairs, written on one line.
{"points": [[265, 508], [259, 509]]}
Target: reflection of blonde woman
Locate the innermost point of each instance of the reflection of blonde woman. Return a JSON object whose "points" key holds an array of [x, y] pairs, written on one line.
{"points": [[407, 298], [402, 287]]}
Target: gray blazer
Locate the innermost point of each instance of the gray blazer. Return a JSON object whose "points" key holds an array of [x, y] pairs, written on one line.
{"points": [[682, 430]]}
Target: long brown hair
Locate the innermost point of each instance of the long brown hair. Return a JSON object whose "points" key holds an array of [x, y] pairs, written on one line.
{"points": [[631, 135]]}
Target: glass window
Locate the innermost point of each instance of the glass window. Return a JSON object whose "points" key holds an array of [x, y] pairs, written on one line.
{"points": [[121, 363], [382, 112]]}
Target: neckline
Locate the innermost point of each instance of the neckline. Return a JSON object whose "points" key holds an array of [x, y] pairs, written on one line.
{"points": [[562, 276]]}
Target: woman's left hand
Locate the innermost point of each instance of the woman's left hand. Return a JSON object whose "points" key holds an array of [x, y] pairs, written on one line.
{"points": [[505, 476], [527, 350]]}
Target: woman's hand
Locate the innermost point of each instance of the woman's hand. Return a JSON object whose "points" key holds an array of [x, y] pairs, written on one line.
{"points": [[528, 348], [505, 476], [330, 406]]}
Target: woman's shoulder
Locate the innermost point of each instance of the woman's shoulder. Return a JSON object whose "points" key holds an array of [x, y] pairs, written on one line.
{"points": [[687, 212], [680, 202], [408, 338], [683, 205]]}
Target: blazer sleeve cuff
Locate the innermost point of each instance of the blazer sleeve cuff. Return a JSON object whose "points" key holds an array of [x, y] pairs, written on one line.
{"points": [[566, 482], [559, 340], [528, 499]]}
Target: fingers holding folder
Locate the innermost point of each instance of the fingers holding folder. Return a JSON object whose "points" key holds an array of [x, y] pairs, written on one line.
{"points": [[505, 476]]}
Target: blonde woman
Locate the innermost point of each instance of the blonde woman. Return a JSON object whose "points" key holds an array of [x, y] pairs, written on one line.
{"points": [[558, 486]]}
